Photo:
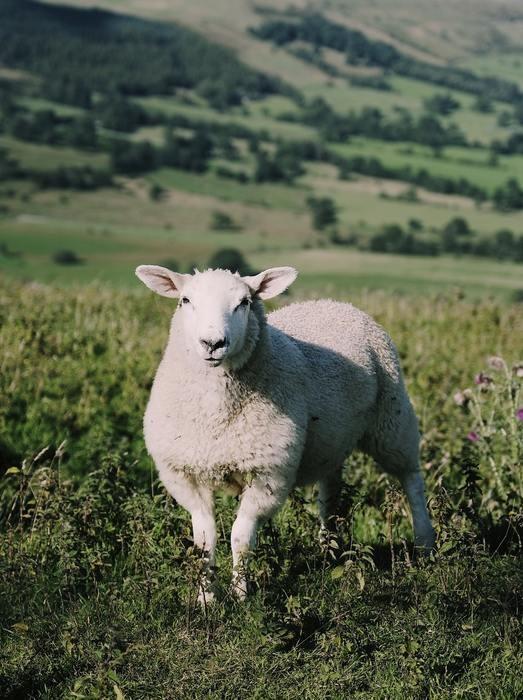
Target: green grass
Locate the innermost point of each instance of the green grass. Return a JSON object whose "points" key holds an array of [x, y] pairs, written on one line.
{"points": [[98, 579], [454, 163], [263, 194], [39, 103], [256, 121], [506, 64], [42, 158]]}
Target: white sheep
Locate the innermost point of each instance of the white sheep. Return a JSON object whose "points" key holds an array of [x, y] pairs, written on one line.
{"points": [[262, 405]]}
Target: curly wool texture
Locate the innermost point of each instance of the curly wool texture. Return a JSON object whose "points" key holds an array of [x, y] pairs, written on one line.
{"points": [[323, 378]]}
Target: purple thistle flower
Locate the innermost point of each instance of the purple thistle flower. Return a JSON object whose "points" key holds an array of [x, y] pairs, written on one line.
{"points": [[473, 436], [519, 413], [482, 379], [496, 362]]}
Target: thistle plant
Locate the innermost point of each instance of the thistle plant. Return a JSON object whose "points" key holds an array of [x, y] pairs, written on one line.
{"points": [[495, 408]]}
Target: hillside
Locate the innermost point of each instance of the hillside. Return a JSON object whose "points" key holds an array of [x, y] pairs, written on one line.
{"points": [[301, 135]]}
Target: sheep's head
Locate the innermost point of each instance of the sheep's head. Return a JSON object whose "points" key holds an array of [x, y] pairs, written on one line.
{"points": [[219, 321]]}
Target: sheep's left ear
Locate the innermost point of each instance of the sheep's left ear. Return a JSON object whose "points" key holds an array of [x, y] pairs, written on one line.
{"points": [[161, 280], [271, 282]]}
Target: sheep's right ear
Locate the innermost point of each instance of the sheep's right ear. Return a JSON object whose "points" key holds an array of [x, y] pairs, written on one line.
{"points": [[161, 280]]}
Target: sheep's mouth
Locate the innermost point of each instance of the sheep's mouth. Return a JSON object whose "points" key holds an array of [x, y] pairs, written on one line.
{"points": [[213, 361]]}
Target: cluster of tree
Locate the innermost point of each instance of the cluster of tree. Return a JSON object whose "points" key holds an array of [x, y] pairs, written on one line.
{"points": [[221, 221], [315, 58], [73, 177], [509, 196], [318, 31], [426, 129], [66, 257], [456, 237], [441, 103], [512, 146], [45, 126], [9, 168], [230, 259], [190, 153], [324, 212], [284, 165], [118, 113], [81, 52], [394, 239]]}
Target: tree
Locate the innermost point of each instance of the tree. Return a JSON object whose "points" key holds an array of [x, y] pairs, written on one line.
{"points": [[509, 196], [66, 257], [324, 212], [221, 221], [443, 104], [230, 259]]}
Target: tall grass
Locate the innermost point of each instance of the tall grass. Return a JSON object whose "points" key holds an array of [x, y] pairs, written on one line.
{"points": [[98, 578]]}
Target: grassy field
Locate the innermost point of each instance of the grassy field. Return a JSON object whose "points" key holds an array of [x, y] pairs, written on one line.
{"points": [[98, 573], [98, 579]]}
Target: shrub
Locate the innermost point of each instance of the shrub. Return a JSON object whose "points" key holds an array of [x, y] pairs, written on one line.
{"points": [[324, 212], [66, 257], [230, 259], [221, 221]]}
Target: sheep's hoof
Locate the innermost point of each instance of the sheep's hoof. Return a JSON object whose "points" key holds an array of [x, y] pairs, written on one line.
{"points": [[206, 597], [239, 588], [207, 593], [424, 543]]}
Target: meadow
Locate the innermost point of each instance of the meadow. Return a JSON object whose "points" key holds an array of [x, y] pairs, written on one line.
{"points": [[98, 578], [98, 573]]}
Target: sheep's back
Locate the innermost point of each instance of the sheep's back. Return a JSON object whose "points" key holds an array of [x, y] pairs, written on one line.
{"points": [[336, 326]]}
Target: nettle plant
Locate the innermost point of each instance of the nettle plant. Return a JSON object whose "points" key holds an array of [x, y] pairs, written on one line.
{"points": [[495, 407]]}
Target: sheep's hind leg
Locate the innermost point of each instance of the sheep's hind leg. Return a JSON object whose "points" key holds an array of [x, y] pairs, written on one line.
{"points": [[259, 501], [412, 483], [328, 504], [199, 501], [396, 450]]}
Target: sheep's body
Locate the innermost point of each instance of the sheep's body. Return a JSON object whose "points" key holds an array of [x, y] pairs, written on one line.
{"points": [[319, 379], [356, 395]]}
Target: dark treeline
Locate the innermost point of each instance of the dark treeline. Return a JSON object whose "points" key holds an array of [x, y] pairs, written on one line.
{"points": [[426, 129], [456, 237], [77, 177], [9, 168], [191, 153], [81, 52], [316, 30], [513, 145], [373, 167]]}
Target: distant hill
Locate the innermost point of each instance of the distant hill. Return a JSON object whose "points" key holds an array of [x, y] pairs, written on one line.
{"points": [[79, 52]]}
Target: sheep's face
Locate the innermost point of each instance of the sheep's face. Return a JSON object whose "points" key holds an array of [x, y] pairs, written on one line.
{"points": [[215, 305]]}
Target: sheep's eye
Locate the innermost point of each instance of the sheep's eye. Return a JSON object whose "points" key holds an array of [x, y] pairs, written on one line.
{"points": [[244, 302], [185, 300]]}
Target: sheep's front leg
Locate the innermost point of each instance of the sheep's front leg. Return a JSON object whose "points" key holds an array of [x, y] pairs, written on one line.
{"points": [[259, 501], [199, 501]]}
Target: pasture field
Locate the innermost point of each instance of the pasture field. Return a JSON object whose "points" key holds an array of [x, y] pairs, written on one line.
{"points": [[97, 576], [115, 229], [40, 157]]}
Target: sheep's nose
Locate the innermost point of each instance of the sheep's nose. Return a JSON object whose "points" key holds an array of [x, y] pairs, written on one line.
{"points": [[212, 345]]}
